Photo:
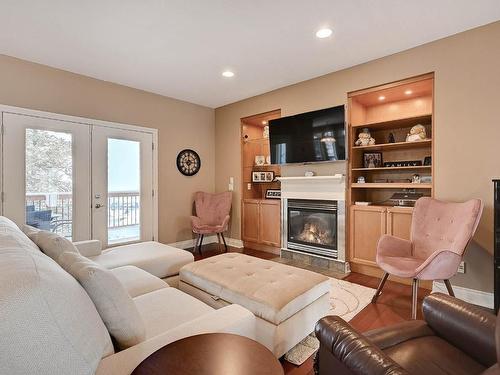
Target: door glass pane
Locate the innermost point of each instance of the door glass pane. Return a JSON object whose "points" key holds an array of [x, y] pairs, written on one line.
{"points": [[124, 183], [49, 181]]}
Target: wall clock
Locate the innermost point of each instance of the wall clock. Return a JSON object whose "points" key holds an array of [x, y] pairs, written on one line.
{"points": [[188, 162]]}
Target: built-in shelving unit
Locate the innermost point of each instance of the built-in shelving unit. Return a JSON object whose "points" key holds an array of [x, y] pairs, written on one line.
{"points": [[389, 111], [260, 224]]}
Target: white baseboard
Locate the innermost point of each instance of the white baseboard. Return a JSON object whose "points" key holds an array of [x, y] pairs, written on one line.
{"points": [[187, 244], [476, 297], [234, 242]]}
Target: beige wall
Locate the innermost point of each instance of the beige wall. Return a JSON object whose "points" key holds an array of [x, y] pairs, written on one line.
{"points": [[180, 125], [467, 85]]}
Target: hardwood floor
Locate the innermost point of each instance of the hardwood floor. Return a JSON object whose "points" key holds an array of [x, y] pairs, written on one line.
{"points": [[393, 305]]}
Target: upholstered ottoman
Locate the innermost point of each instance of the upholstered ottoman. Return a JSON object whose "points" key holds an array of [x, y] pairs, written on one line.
{"points": [[287, 301]]}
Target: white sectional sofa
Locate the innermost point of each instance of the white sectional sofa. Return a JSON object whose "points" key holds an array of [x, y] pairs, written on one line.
{"points": [[50, 325], [160, 260]]}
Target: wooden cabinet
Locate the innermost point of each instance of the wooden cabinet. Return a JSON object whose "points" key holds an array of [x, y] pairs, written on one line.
{"points": [[251, 220], [270, 222], [369, 223], [261, 222], [399, 222]]}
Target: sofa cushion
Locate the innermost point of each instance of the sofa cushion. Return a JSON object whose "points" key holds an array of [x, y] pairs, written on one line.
{"points": [[48, 324], [116, 307], [433, 355], [156, 258], [137, 281], [50, 243], [272, 291], [165, 309]]}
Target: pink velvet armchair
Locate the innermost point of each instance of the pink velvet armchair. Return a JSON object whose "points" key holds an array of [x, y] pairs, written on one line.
{"points": [[440, 232], [212, 215]]}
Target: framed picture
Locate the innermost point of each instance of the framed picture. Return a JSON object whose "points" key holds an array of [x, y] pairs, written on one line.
{"points": [[273, 194], [406, 163], [372, 159], [260, 176], [427, 160], [269, 176], [256, 176]]}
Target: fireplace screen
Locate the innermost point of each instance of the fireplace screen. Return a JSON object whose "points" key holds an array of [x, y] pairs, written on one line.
{"points": [[312, 226]]}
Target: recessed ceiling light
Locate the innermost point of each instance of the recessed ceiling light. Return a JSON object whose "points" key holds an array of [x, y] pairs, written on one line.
{"points": [[408, 92], [228, 74], [264, 122], [324, 33], [381, 97]]}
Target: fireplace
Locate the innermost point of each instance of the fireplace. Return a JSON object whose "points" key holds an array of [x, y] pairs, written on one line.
{"points": [[313, 221], [313, 226]]}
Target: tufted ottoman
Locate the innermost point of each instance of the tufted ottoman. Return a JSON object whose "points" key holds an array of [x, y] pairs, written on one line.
{"points": [[286, 300]]}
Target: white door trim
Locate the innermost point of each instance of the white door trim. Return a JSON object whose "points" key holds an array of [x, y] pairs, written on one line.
{"points": [[89, 122]]}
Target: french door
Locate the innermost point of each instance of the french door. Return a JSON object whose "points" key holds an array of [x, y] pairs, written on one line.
{"points": [[122, 185], [78, 179], [46, 174]]}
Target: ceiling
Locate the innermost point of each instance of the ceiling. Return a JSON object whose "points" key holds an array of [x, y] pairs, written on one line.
{"points": [[179, 48]]}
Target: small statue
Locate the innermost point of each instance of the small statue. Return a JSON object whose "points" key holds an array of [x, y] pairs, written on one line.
{"points": [[417, 133], [391, 138], [415, 179], [365, 138], [265, 132]]}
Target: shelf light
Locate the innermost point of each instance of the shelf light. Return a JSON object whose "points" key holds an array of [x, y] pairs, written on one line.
{"points": [[381, 97], [264, 122], [408, 92]]}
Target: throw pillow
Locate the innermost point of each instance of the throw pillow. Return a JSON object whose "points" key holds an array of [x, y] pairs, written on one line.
{"points": [[112, 301], [50, 243]]}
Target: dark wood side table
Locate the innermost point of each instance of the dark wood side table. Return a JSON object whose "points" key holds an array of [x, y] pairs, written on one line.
{"points": [[211, 354]]}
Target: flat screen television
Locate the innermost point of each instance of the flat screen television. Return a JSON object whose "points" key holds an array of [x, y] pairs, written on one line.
{"points": [[316, 136]]}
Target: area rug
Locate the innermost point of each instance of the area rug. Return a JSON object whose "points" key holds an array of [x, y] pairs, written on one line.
{"points": [[346, 300]]}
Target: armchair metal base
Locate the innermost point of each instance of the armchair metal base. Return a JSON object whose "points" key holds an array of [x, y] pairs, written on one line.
{"points": [[199, 242], [380, 286]]}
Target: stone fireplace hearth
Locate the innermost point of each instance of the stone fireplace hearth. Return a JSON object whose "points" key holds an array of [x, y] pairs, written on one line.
{"points": [[313, 221]]}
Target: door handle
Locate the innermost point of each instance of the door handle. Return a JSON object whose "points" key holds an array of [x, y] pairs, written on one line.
{"points": [[98, 205]]}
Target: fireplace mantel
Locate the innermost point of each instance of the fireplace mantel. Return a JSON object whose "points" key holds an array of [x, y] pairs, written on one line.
{"points": [[315, 187]]}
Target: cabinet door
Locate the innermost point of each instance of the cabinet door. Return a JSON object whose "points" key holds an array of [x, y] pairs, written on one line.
{"points": [[270, 223], [399, 222], [251, 220], [368, 224]]}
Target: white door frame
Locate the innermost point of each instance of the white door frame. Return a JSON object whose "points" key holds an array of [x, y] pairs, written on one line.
{"points": [[100, 182], [85, 122]]}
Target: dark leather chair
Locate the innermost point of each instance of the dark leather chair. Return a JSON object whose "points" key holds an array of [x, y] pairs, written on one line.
{"points": [[454, 338]]}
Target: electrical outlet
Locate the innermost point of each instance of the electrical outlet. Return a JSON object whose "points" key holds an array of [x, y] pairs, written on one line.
{"points": [[461, 267]]}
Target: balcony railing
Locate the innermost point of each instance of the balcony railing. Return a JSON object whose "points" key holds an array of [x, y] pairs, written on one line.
{"points": [[55, 211], [123, 209]]}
